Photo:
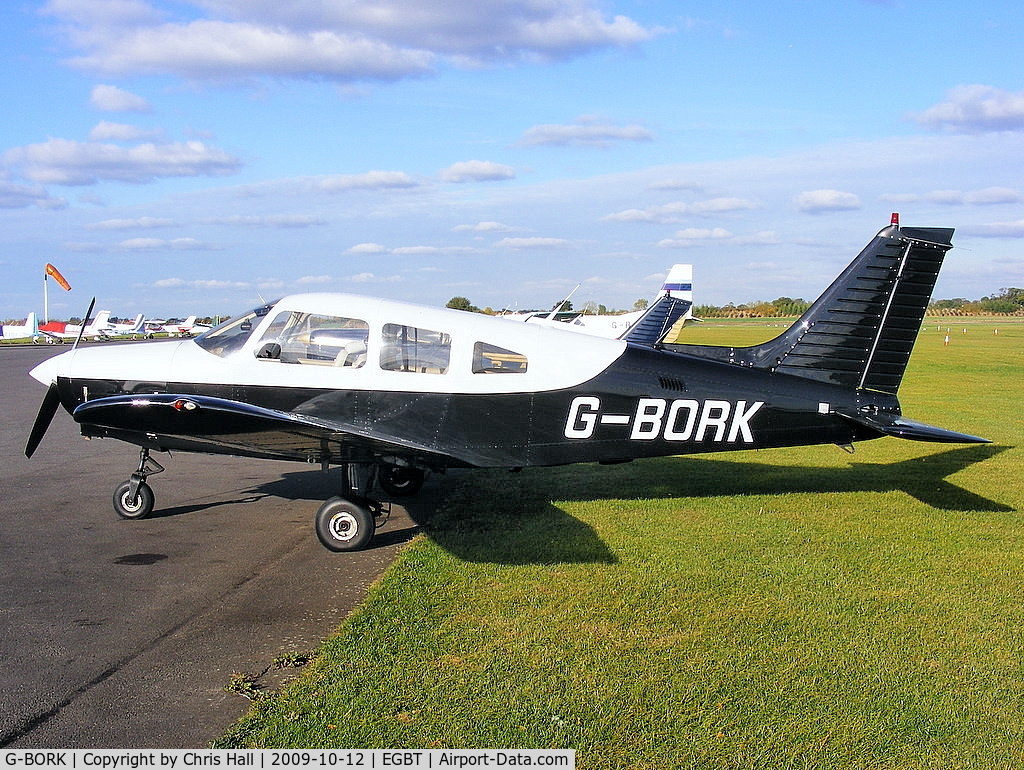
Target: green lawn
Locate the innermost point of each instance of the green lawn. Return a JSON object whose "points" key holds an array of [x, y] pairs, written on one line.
{"points": [[785, 608]]}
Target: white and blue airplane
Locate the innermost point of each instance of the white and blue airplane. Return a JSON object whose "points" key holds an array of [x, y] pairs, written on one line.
{"points": [[391, 390], [27, 330], [678, 284]]}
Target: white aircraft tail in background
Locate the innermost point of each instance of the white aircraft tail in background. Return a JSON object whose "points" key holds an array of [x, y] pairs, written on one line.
{"points": [[29, 329], [96, 330], [133, 330], [678, 284]]}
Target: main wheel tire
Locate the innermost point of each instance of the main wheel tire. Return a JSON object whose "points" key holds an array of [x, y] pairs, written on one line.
{"points": [[140, 508], [398, 481], [343, 525]]}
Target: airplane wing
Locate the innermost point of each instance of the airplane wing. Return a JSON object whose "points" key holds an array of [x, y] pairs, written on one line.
{"points": [[220, 426]]}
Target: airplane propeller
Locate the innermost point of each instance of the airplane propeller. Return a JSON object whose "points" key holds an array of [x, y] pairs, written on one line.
{"points": [[52, 399], [85, 322], [46, 412]]}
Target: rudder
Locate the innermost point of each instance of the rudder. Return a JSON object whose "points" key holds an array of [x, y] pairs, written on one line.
{"points": [[860, 332]]}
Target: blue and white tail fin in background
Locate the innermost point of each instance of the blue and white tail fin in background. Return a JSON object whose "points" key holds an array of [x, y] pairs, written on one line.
{"points": [[673, 305], [29, 329], [679, 283]]}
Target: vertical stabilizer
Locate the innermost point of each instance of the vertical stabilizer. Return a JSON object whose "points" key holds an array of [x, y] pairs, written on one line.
{"points": [[861, 330]]}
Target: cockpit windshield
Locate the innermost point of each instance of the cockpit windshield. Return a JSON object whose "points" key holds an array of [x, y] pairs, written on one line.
{"points": [[233, 333]]}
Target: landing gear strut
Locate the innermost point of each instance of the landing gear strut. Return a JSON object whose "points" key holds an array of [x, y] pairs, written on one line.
{"points": [[347, 522], [133, 499]]}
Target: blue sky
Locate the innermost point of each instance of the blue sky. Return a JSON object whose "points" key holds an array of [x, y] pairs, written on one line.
{"points": [[189, 157]]}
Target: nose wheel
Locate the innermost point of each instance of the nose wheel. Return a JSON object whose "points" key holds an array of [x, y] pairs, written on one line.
{"points": [[133, 499]]}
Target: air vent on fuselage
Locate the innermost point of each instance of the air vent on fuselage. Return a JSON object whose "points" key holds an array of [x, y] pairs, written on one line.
{"points": [[671, 383]]}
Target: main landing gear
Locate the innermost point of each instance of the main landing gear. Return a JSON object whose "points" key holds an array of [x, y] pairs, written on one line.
{"points": [[347, 522], [343, 523]]}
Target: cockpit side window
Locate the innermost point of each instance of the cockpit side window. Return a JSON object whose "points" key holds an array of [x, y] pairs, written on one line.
{"points": [[411, 349], [491, 359], [230, 335], [309, 338]]}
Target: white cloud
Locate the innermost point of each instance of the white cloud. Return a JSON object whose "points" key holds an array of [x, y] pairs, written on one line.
{"points": [[534, 243], [484, 227], [142, 223], [585, 132], [675, 184], [313, 280], [271, 220], [19, 196], [997, 230], [122, 132], [945, 197], [70, 162], [477, 171], [203, 284], [113, 99], [217, 50], [992, 196], [692, 236], [350, 41], [822, 201], [673, 212], [367, 248], [975, 109], [371, 180], [157, 244]]}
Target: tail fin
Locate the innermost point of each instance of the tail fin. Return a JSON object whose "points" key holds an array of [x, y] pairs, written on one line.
{"points": [[861, 331], [679, 282]]}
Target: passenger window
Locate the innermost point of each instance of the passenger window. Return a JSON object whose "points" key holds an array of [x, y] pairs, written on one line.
{"points": [[410, 349], [309, 338], [490, 359]]}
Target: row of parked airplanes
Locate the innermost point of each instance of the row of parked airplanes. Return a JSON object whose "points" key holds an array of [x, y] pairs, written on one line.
{"points": [[678, 284], [100, 328]]}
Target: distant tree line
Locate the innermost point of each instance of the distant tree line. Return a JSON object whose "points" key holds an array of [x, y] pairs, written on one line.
{"points": [[590, 308], [1007, 302], [783, 307]]}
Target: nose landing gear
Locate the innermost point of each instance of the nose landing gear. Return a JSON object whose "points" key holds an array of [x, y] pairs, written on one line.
{"points": [[133, 499]]}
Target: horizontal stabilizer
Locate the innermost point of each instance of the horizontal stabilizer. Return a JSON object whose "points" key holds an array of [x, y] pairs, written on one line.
{"points": [[901, 427]]}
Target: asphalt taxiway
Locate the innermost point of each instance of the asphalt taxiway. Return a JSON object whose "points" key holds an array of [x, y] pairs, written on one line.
{"points": [[123, 634]]}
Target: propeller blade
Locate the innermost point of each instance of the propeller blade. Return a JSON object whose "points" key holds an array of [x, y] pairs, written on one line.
{"points": [[85, 323], [46, 412]]}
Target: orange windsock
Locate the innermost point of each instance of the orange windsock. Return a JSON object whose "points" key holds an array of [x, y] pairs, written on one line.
{"points": [[55, 274]]}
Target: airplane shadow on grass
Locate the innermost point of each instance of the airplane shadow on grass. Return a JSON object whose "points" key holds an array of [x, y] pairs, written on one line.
{"points": [[509, 518]]}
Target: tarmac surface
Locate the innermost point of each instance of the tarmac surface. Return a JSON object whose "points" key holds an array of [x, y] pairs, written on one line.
{"points": [[123, 634]]}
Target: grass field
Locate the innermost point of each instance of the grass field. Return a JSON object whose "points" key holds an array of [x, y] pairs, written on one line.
{"points": [[795, 608]]}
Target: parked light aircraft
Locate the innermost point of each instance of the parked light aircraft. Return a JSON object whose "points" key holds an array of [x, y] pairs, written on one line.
{"points": [[29, 329], [187, 328], [679, 284], [134, 330], [391, 390], [58, 331]]}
